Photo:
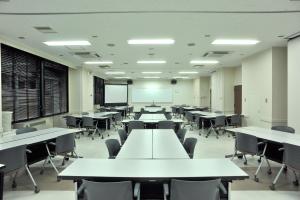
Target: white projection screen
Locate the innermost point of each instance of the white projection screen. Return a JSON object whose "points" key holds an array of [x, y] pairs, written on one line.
{"points": [[115, 94]]}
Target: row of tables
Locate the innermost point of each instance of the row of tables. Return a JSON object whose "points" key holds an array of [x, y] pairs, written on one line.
{"points": [[152, 157]]}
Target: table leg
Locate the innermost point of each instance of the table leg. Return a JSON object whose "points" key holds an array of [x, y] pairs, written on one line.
{"points": [[1, 184]]}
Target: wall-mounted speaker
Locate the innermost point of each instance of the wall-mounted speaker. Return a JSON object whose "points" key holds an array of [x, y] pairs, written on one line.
{"points": [[173, 81], [129, 82]]}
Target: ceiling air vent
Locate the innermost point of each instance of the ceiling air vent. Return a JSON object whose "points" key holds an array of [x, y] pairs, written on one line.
{"points": [[104, 66], [216, 54], [45, 29], [86, 54]]}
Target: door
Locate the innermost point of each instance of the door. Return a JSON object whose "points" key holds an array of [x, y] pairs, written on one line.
{"points": [[238, 99]]}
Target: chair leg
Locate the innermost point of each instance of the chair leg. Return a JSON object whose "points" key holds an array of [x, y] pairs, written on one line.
{"points": [[14, 182], [245, 162], [43, 167], [258, 169], [50, 159], [36, 189], [296, 182], [272, 187]]}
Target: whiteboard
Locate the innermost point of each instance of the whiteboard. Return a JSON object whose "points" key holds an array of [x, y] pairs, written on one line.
{"points": [[145, 95], [115, 94]]}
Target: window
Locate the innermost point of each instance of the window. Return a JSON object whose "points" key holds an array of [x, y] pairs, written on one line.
{"points": [[22, 91], [55, 88], [98, 91]]}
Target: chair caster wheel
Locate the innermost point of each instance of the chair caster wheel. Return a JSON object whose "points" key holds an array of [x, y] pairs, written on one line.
{"points": [[93, 138], [14, 185], [36, 189], [41, 172], [259, 160], [269, 171], [285, 170], [256, 179], [58, 179], [245, 163], [296, 183], [272, 187], [206, 136]]}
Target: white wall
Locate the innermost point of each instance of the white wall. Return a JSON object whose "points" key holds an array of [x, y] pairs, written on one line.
{"points": [[238, 76], [222, 90], [264, 83], [205, 91], [197, 95], [294, 83]]}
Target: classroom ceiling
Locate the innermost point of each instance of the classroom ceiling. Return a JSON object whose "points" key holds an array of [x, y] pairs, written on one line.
{"points": [[193, 24]]}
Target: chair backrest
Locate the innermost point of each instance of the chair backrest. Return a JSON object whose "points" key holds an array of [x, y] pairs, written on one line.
{"points": [[168, 116], [107, 190], [181, 110], [65, 143], [246, 143], [173, 109], [181, 134], [165, 125], [13, 158], [218, 112], [71, 121], [291, 156], [123, 135], [192, 190], [118, 117], [236, 120], [220, 120], [135, 124], [189, 145], [283, 129], [189, 116], [102, 109], [87, 122], [25, 130], [137, 116], [85, 113], [142, 110], [113, 147]]}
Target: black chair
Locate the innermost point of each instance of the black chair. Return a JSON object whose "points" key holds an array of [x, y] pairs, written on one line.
{"points": [[248, 144], [168, 116], [14, 159], [137, 116], [123, 135], [63, 145], [108, 190], [189, 145], [291, 160], [192, 190], [165, 125], [90, 124], [216, 125], [181, 134], [25, 130], [283, 129], [135, 124], [113, 147]]}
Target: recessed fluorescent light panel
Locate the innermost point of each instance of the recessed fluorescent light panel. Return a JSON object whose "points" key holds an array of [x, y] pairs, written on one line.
{"points": [[234, 42], [151, 77], [122, 77], [98, 62], [180, 77], [203, 62], [190, 72], [68, 43], [151, 62], [151, 41], [151, 72], [115, 73]]}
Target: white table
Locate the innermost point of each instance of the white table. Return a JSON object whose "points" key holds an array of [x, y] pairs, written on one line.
{"points": [[34, 137], [138, 145], [153, 109], [268, 134], [166, 145], [152, 117], [152, 144]]}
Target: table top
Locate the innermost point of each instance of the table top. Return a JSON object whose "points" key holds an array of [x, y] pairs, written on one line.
{"points": [[146, 170], [152, 116], [138, 145], [153, 121], [153, 109], [34, 137], [100, 115], [268, 134], [209, 115], [152, 144], [166, 145]]}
